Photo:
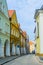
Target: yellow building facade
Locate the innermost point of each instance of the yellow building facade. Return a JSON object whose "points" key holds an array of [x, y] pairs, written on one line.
{"points": [[22, 42], [37, 36], [14, 33], [39, 31]]}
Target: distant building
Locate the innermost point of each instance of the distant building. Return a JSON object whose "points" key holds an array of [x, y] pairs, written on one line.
{"points": [[39, 32], [22, 42], [31, 47], [27, 43]]}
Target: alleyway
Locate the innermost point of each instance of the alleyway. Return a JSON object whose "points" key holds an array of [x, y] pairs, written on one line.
{"points": [[25, 60]]}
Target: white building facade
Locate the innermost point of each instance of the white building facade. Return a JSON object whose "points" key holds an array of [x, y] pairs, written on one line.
{"points": [[39, 30]]}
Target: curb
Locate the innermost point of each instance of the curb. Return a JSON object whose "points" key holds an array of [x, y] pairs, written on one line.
{"points": [[8, 61], [11, 60]]}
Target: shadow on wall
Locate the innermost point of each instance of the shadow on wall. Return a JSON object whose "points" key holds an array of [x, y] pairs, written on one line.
{"points": [[7, 48]]}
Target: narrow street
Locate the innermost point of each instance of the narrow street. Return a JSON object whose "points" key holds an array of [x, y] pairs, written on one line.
{"points": [[25, 60], [21, 32]]}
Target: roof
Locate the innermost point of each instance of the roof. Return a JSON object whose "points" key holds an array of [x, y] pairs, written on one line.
{"points": [[31, 43], [24, 33], [37, 11], [10, 12], [41, 7]]}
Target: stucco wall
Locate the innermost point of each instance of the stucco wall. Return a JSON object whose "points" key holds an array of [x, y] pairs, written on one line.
{"points": [[41, 32]]}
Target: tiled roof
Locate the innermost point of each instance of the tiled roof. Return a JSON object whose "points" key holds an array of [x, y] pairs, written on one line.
{"points": [[24, 33], [10, 12], [30, 42]]}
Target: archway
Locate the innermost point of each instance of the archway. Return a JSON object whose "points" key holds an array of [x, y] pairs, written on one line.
{"points": [[17, 50], [13, 48], [1, 49], [7, 48], [24, 50]]}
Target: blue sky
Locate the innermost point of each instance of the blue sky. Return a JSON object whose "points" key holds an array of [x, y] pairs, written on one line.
{"points": [[25, 10]]}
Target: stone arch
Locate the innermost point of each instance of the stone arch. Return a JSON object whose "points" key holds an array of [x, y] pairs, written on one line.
{"points": [[1, 49], [13, 48], [7, 48], [17, 49]]}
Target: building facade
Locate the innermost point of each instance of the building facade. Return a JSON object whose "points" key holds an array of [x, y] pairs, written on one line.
{"points": [[4, 30], [22, 42], [32, 47], [12, 39], [14, 33], [39, 31]]}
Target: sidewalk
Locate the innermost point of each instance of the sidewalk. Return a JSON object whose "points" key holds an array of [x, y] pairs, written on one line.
{"points": [[7, 59], [39, 58]]}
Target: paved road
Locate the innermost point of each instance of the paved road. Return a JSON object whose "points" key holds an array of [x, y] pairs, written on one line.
{"points": [[25, 60]]}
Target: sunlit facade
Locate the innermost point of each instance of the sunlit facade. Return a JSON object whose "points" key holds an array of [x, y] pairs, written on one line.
{"points": [[39, 31], [4, 30], [14, 36]]}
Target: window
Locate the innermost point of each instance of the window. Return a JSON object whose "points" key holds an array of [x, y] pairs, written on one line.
{"points": [[15, 21], [7, 27], [14, 32], [0, 18], [18, 34], [0, 40], [11, 31], [37, 30], [0, 5], [0, 24], [3, 6]]}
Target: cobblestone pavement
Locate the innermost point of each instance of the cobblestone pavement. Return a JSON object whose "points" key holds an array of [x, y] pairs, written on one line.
{"points": [[25, 60]]}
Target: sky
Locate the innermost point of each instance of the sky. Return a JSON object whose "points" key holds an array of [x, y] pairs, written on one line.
{"points": [[25, 10]]}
